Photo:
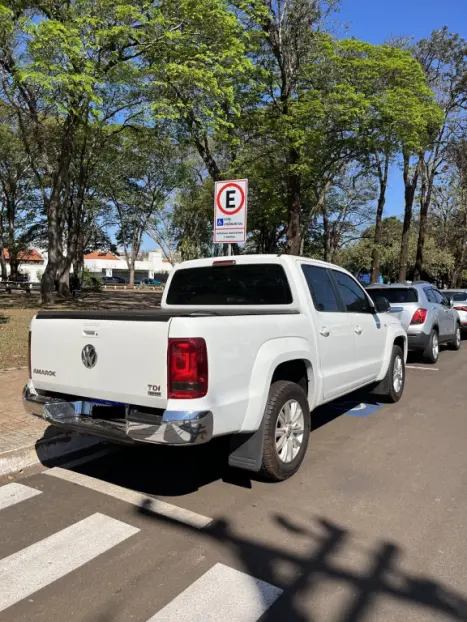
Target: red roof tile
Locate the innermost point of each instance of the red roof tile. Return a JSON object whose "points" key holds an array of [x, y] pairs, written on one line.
{"points": [[102, 255], [32, 255]]}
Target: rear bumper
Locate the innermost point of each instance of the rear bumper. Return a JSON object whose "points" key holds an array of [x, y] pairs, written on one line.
{"points": [[166, 427], [417, 341]]}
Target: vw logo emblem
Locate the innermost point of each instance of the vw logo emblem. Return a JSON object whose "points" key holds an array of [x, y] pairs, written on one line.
{"points": [[89, 356]]}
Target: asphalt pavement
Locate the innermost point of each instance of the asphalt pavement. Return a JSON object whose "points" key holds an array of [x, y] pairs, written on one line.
{"points": [[372, 528]]}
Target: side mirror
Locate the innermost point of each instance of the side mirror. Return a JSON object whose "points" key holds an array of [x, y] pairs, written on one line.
{"points": [[382, 305]]}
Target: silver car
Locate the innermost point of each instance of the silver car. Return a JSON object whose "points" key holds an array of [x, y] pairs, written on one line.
{"points": [[458, 298], [429, 318]]}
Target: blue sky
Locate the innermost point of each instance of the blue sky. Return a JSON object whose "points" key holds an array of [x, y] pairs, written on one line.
{"points": [[377, 20]]}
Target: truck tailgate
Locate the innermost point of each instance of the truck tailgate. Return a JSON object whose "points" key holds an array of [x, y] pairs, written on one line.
{"points": [[114, 359]]}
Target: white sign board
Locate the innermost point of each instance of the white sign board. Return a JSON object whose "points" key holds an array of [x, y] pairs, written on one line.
{"points": [[230, 211]]}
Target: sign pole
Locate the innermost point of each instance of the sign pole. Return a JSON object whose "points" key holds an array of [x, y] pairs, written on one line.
{"points": [[229, 250]]}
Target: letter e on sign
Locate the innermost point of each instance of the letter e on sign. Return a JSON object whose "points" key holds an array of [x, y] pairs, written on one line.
{"points": [[230, 211]]}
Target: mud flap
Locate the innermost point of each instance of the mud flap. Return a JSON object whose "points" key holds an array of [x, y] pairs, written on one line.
{"points": [[246, 450]]}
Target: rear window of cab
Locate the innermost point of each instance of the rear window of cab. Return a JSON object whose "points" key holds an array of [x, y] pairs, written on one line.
{"points": [[394, 295], [227, 284]]}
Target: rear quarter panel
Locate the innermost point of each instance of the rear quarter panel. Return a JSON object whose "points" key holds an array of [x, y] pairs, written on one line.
{"points": [[243, 352]]}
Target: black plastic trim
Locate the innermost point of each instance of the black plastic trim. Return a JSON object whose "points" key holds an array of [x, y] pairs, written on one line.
{"points": [[155, 316]]}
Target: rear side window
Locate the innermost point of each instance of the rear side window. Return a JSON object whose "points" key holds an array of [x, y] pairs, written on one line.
{"points": [[394, 295], [247, 284], [441, 300], [321, 289], [352, 294], [430, 294]]}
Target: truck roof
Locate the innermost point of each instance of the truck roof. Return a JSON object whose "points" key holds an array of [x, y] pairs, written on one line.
{"points": [[266, 259]]}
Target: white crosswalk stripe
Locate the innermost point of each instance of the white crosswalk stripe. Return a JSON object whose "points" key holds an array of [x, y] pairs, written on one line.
{"points": [[130, 496], [38, 565], [13, 493], [222, 593]]}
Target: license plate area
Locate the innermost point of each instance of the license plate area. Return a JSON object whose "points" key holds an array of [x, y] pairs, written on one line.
{"points": [[100, 409]]}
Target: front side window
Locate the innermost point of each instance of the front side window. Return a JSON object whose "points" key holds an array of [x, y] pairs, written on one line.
{"points": [[352, 294], [321, 289]]}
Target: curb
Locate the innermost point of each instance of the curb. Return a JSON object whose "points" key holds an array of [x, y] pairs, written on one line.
{"points": [[46, 451]]}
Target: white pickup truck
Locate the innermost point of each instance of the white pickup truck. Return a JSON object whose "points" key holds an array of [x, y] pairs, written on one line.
{"points": [[245, 347]]}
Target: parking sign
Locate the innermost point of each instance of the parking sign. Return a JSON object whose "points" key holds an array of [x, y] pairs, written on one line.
{"points": [[230, 211]]}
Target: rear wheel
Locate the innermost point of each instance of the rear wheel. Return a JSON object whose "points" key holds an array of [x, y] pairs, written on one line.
{"points": [[431, 353], [286, 431], [455, 343], [392, 387]]}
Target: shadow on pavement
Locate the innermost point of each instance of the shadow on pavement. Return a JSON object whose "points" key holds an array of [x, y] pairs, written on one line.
{"points": [[380, 576], [175, 471]]}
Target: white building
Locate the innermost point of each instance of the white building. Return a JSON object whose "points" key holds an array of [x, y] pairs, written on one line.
{"points": [[108, 264], [99, 263], [31, 263]]}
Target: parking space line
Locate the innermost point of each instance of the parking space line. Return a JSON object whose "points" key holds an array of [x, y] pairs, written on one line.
{"points": [[422, 368], [222, 593], [131, 496], [46, 561], [13, 493]]}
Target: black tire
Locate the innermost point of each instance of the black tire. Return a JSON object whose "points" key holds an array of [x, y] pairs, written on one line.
{"points": [[456, 341], [430, 355], [386, 388], [273, 468]]}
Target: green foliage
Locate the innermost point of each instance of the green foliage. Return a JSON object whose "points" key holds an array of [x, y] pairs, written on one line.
{"points": [[357, 258]]}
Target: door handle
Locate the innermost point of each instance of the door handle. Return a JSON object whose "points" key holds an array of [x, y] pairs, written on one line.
{"points": [[358, 330], [324, 330]]}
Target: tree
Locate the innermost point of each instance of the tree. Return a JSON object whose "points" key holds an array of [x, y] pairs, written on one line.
{"points": [[443, 57], [19, 210], [358, 257], [143, 170], [396, 99], [58, 62], [290, 50]]}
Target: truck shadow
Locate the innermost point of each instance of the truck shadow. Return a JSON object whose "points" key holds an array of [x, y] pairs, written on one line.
{"points": [[177, 471], [368, 578]]}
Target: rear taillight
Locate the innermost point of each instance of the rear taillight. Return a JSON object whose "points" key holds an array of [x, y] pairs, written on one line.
{"points": [[29, 356], [187, 369], [461, 309], [419, 316]]}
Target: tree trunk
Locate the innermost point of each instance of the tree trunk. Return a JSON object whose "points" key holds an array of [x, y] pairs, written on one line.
{"points": [[3, 266], [326, 235], [459, 256], [131, 261], [12, 249], [293, 205], [410, 186], [64, 281], [425, 200], [383, 173], [54, 251]]}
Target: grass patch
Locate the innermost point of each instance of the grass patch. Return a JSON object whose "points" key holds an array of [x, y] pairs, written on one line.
{"points": [[14, 326]]}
